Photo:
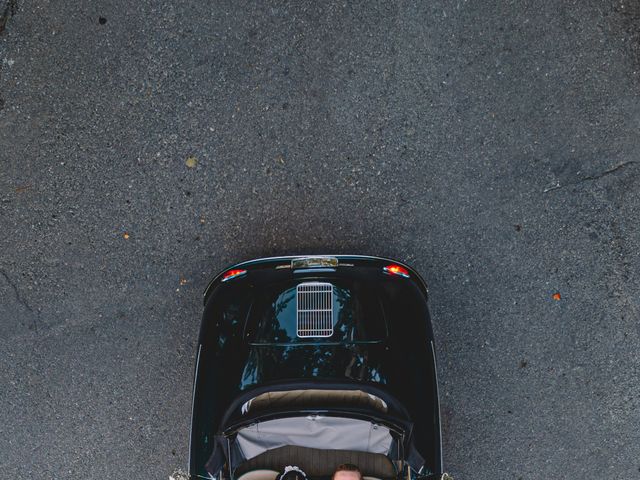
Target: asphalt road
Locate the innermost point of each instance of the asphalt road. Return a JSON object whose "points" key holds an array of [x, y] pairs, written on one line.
{"points": [[495, 146]]}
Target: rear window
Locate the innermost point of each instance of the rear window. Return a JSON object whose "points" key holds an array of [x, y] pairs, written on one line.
{"points": [[341, 313]]}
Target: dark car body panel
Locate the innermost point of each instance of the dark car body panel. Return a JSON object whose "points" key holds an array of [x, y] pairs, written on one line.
{"points": [[400, 364]]}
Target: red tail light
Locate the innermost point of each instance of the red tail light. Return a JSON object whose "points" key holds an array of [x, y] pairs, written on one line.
{"points": [[396, 270], [229, 274]]}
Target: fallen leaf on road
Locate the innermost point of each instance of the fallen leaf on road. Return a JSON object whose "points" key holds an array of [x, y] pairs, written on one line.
{"points": [[191, 162]]}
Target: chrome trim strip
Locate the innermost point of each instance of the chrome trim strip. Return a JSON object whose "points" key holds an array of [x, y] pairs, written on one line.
{"points": [[435, 376], [193, 401], [314, 262]]}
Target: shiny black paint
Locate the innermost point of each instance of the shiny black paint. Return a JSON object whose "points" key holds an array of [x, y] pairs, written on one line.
{"points": [[403, 363]]}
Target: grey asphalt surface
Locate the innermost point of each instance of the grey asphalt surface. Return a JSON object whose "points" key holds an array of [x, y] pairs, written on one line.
{"points": [[493, 145]]}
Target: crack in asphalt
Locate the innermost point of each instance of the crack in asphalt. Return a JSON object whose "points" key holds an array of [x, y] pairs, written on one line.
{"points": [[21, 300], [9, 11], [591, 178]]}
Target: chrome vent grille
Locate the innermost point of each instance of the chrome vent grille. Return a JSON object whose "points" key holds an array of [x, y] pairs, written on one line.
{"points": [[314, 312]]}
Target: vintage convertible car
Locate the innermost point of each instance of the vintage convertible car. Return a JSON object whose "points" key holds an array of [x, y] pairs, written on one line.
{"points": [[315, 362]]}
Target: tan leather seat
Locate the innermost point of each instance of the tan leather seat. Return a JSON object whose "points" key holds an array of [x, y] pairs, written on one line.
{"points": [[319, 462], [311, 397], [260, 474]]}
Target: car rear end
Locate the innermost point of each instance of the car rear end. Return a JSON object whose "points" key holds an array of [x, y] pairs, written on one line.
{"points": [[354, 323]]}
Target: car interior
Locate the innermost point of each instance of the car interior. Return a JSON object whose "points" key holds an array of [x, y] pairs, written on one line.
{"points": [[315, 462], [269, 446]]}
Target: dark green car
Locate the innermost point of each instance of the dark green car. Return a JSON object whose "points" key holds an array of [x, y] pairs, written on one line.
{"points": [[314, 362]]}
